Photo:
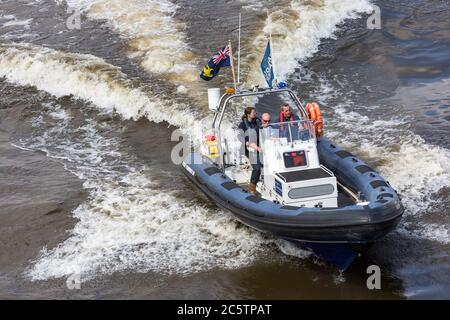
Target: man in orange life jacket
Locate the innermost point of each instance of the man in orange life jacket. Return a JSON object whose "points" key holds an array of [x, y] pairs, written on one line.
{"points": [[286, 114]]}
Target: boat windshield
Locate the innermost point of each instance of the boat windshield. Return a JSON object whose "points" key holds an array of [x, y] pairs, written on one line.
{"points": [[288, 132]]}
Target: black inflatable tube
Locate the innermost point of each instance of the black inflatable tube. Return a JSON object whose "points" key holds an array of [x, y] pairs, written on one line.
{"points": [[351, 224]]}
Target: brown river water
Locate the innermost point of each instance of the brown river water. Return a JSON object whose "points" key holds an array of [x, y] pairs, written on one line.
{"points": [[87, 185]]}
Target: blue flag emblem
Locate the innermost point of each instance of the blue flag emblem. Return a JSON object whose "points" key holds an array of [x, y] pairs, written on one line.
{"points": [[267, 66]]}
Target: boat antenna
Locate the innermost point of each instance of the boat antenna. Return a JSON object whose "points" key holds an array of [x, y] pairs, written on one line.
{"points": [[232, 65], [239, 51], [269, 19]]}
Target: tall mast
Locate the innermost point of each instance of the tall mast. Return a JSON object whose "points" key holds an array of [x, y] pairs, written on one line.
{"points": [[232, 65], [272, 53], [239, 51]]}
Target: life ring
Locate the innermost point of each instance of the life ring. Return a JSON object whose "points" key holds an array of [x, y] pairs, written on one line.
{"points": [[315, 115]]}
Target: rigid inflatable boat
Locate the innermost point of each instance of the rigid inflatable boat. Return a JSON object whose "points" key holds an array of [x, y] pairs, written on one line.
{"points": [[311, 191]]}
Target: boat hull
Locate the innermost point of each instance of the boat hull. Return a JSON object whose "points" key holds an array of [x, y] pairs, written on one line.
{"points": [[353, 224]]}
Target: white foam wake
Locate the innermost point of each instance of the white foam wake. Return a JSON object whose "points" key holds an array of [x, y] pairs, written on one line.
{"points": [[297, 30], [129, 223], [154, 36], [415, 168], [89, 78]]}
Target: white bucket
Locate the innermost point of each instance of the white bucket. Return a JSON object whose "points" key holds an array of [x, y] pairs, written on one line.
{"points": [[213, 98]]}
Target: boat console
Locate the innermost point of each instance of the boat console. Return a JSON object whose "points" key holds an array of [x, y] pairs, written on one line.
{"points": [[292, 173]]}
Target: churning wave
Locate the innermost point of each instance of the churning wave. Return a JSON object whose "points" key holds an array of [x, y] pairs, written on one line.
{"points": [[154, 37], [297, 30], [91, 79], [416, 169], [129, 223]]}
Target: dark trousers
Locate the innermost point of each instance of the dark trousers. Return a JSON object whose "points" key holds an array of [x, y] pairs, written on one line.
{"points": [[256, 173], [256, 167]]}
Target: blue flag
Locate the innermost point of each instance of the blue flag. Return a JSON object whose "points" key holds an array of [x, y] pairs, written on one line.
{"points": [[220, 59], [267, 66]]}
